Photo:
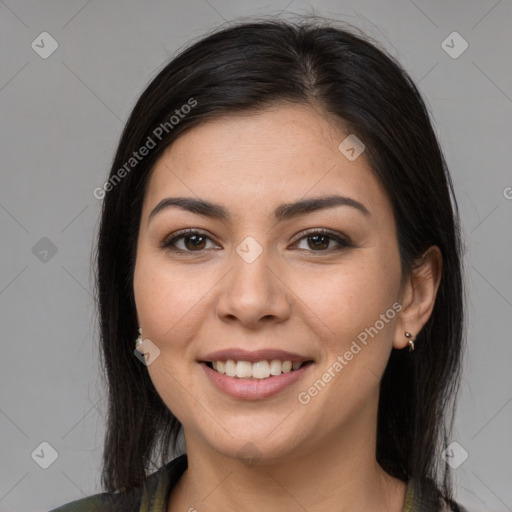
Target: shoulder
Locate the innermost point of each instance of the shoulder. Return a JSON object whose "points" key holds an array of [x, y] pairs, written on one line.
{"points": [[424, 496], [154, 491], [103, 502]]}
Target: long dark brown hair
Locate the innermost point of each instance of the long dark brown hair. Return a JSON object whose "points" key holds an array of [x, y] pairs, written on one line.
{"points": [[335, 68]]}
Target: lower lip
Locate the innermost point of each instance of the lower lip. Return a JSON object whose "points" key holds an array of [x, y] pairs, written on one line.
{"points": [[254, 389]]}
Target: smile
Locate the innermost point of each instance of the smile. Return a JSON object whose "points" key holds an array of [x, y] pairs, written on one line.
{"points": [[254, 381], [258, 370]]}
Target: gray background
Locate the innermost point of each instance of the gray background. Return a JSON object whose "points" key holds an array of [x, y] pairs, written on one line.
{"points": [[61, 118]]}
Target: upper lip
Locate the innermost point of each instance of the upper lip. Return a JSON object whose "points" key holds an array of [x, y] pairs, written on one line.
{"points": [[238, 354]]}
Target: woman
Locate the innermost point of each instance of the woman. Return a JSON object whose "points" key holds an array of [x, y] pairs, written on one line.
{"points": [[279, 236]]}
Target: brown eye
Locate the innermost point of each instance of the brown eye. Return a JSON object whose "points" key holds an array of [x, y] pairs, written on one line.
{"points": [[190, 240], [321, 241], [194, 242]]}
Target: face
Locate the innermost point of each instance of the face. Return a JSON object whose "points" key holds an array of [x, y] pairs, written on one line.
{"points": [[257, 281]]}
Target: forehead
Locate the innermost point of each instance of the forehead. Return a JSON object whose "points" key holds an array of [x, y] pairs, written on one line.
{"points": [[278, 154], [284, 133]]}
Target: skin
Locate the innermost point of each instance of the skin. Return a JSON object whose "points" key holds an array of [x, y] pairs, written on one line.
{"points": [[294, 296]]}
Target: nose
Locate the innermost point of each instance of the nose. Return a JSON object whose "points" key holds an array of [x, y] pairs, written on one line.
{"points": [[253, 294]]}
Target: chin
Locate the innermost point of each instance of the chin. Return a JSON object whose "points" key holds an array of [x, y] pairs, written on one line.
{"points": [[254, 442]]}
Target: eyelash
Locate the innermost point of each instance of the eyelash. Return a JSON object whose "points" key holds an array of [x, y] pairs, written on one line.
{"points": [[167, 244]]}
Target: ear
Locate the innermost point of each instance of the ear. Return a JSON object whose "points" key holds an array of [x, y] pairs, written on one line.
{"points": [[419, 296]]}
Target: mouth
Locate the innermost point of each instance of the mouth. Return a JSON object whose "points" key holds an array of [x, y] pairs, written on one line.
{"points": [[258, 370], [254, 380]]}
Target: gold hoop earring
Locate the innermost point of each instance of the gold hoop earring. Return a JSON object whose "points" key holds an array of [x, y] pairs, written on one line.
{"points": [[411, 340]]}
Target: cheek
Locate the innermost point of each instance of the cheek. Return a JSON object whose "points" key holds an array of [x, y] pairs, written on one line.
{"points": [[167, 304], [163, 295], [350, 301], [357, 307]]}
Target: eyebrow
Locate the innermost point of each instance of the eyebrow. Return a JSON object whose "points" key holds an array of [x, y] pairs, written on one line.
{"points": [[283, 212]]}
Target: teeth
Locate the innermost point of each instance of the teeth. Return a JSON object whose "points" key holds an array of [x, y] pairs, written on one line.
{"points": [[260, 370], [230, 368], [243, 369], [275, 367], [286, 366]]}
